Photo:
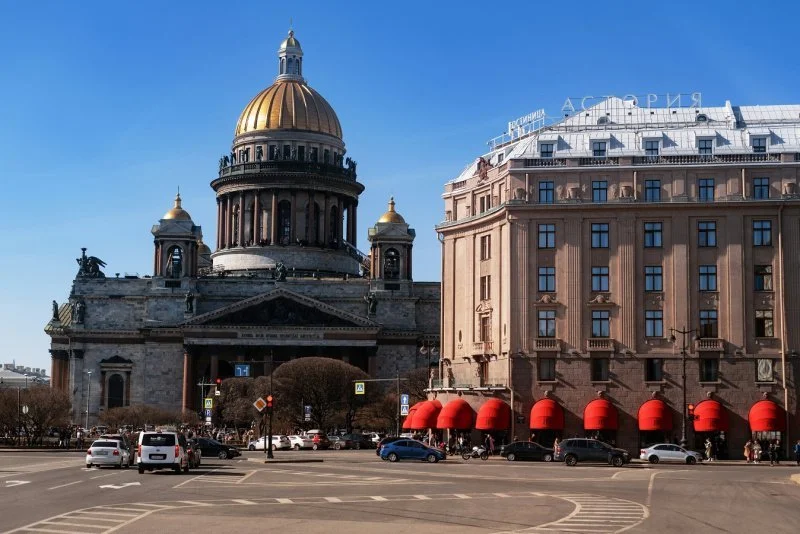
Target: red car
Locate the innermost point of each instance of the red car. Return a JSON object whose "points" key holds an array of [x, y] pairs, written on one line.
{"points": [[320, 441]]}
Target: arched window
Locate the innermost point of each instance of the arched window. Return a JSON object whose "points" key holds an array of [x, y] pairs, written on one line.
{"points": [[116, 391], [391, 265], [333, 228], [291, 66], [285, 221], [175, 262]]}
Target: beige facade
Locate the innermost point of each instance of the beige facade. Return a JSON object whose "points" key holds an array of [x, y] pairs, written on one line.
{"points": [[563, 277]]}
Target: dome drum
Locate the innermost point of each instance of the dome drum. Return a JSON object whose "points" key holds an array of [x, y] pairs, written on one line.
{"points": [[321, 170]]}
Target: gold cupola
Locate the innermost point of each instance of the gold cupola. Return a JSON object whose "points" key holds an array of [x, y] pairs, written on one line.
{"points": [[391, 216], [289, 103], [177, 213]]}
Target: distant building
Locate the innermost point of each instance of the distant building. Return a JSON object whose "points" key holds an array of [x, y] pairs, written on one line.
{"points": [[12, 375]]}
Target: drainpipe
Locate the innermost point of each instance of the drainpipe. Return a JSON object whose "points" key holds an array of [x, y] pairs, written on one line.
{"points": [[744, 192], [787, 440], [512, 395]]}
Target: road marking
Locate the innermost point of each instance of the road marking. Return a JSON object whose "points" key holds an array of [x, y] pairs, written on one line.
{"points": [[378, 498], [248, 475], [112, 486], [244, 501], [285, 501], [12, 483], [462, 496], [65, 485], [422, 497], [333, 499], [195, 503]]}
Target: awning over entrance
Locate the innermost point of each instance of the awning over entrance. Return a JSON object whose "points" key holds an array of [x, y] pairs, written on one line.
{"points": [[766, 416], [426, 414], [547, 414], [493, 415], [710, 416], [410, 417], [600, 414], [456, 414], [654, 415]]}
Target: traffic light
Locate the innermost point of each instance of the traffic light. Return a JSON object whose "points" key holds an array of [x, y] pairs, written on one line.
{"points": [[218, 381], [690, 411], [269, 401]]}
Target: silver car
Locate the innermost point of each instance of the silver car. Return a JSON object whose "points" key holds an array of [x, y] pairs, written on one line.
{"points": [[278, 442], [667, 452], [108, 452], [301, 442]]}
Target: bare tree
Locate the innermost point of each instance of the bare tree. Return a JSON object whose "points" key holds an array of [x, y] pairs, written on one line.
{"points": [[47, 408]]}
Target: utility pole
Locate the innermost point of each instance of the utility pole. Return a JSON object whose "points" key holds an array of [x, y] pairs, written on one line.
{"points": [[88, 397], [268, 443], [397, 380], [684, 347]]}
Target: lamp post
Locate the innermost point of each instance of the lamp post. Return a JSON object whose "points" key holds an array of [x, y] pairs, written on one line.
{"points": [[684, 332], [268, 443], [88, 397]]}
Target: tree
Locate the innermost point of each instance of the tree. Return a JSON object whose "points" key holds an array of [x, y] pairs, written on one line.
{"points": [[47, 408], [236, 404], [139, 415]]}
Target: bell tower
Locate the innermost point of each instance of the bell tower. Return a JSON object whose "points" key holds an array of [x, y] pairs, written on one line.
{"points": [[177, 244], [391, 241]]}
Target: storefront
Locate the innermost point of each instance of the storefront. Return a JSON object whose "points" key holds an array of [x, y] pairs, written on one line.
{"points": [[601, 421], [547, 422], [494, 418], [655, 423], [711, 422]]}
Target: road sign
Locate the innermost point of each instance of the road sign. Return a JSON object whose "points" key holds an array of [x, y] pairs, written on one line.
{"points": [[404, 399], [208, 420], [208, 413], [208, 403], [25, 409], [260, 404], [307, 413], [359, 388], [217, 393], [241, 369], [404, 409]]}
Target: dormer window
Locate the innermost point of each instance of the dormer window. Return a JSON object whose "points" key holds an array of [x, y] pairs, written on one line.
{"points": [[546, 150], [599, 149], [651, 148], [759, 145], [705, 147], [500, 157], [701, 117]]}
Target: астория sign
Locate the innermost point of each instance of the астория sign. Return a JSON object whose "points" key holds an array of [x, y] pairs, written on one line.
{"points": [[651, 99]]}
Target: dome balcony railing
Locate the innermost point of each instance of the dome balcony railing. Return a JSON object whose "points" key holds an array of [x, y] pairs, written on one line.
{"points": [[256, 167]]}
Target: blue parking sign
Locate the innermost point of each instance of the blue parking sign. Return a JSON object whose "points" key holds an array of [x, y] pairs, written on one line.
{"points": [[241, 369]]}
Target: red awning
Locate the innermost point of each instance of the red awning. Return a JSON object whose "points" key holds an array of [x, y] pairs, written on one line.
{"points": [[654, 415], [547, 414], [425, 415], [493, 415], [710, 416], [766, 416], [456, 414], [600, 414], [410, 417]]}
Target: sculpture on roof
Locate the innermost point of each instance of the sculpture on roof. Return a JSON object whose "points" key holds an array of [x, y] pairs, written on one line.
{"points": [[613, 191], [280, 272], [561, 191], [372, 303], [189, 302], [79, 311], [89, 266], [483, 168], [259, 153], [55, 311]]}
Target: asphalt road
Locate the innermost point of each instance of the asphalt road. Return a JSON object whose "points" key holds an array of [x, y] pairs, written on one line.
{"points": [[54, 492]]}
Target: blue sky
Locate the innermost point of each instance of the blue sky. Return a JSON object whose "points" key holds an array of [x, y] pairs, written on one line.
{"points": [[107, 107]]}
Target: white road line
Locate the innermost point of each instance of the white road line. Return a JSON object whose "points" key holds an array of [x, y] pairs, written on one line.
{"points": [[284, 501], [461, 496], [248, 475], [244, 501], [333, 499], [502, 494], [60, 531], [196, 503], [378, 498], [65, 485], [58, 523], [422, 497]]}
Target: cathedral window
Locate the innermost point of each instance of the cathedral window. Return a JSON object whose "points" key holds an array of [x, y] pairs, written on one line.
{"points": [[391, 265], [175, 263], [333, 228], [116, 391]]}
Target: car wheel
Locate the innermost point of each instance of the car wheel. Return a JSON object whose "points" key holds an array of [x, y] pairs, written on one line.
{"points": [[571, 460], [222, 455], [653, 459], [548, 457], [141, 470], [358, 446], [88, 466], [177, 469], [274, 447], [314, 447], [296, 447], [119, 465], [617, 461], [691, 460], [337, 446], [511, 457], [251, 448], [393, 457], [431, 458]]}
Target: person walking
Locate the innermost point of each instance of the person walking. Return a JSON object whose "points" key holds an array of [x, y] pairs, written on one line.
{"points": [[777, 452], [748, 451], [709, 450], [771, 452], [756, 452], [797, 452]]}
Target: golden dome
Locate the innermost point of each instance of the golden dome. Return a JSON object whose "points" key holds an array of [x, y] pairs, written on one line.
{"points": [[177, 213], [289, 105], [391, 216], [290, 42]]}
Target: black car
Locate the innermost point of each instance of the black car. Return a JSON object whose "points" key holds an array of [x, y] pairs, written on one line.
{"points": [[359, 441], [211, 447], [574, 450], [526, 450], [385, 441]]}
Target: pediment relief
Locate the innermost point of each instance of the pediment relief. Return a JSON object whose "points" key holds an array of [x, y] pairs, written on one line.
{"points": [[484, 307]]}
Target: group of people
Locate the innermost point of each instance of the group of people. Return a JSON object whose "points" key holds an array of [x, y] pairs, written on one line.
{"points": [[754, 449]]}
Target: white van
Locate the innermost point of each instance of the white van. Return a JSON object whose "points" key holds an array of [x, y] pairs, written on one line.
{"points": [[162, 450]]}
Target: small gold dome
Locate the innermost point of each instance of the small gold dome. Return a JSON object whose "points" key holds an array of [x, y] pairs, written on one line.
{"points": [[290, 42], [391, 216], [203, 249], [177, 213], [289, 105]]}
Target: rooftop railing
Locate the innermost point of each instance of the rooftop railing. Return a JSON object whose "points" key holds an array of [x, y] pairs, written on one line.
{"points": [[701, 159], [288, 166]]}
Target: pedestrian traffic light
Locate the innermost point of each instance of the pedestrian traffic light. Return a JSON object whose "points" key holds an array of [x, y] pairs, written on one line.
{"points": [[269, 401], [690, 411], [218, 381]]}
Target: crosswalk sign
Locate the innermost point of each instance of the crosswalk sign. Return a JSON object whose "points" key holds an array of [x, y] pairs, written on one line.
{"points": [[208, 403], [359, 388], [404, 409]]}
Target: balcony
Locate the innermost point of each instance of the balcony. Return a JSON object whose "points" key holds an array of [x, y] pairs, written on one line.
{"points": [[547, 344], [282, 166], [546, 162], [481, 348], [709, 344], [479, 383], [599, 344], [598, 161], [704, 159]]}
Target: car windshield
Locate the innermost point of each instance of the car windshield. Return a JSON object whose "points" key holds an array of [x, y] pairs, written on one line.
{"points": [[158, 440], [112, 444]]}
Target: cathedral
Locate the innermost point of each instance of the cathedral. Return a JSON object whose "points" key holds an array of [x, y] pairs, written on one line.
{"points": [[286, 278]]}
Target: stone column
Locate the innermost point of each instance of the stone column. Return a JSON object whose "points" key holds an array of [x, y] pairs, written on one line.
{"points": [[256, 216], [103, 401], [241, 218], [219, 223], [339, 220], [312, 239], [355, 224], [127, 400], [293, 218], [228, 225], [409, 273], [188, 373], [326, 218], [274, 218], [574, 286], [628, 312], [349, 231]]}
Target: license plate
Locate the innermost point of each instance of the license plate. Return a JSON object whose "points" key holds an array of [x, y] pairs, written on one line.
{"points": [[158, 456], [101, 453]]}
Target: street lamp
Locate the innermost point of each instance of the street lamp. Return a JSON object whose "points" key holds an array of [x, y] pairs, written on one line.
{"points": [[684, 347], [88, 396]]}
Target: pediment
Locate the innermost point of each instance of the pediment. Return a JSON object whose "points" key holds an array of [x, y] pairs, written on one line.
{"points": [[392, 231], [281, 308]]}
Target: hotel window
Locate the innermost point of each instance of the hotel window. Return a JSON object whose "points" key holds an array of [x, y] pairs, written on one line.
{"points": [[705, 191], [600, 235], [486, 247], [599, 149], [652, 190], [547, 369], [486, 287], [652, 235], [651, 148], [546, 150], [653, 370], [705, 147], [653, 278], [486, 328], [547, 279], [708, 323], [547, 323], [485, 203], [599, 278], [547, 236], [764, 324], [760, 188], [759, 145], [708, 278], [707, 234], [546, 193], [600, 323], [654, 323], [599, 369], [762, 233], [709, 369], [600, 191], [763, 280]]}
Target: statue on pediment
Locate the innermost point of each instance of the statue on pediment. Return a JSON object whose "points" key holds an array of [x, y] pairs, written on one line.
{"points": [[55, 311], [89, 266], [372, 303], [280, 272]]}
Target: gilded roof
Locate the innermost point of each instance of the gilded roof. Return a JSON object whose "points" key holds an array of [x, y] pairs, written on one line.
{"points": [[391, 216], [177, 212], [289, 105]]}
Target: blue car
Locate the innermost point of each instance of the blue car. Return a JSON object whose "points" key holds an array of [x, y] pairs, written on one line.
{"points": [[410, 449]]}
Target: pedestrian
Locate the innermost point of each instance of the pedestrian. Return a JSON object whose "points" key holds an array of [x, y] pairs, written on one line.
{"points": [[771, 453], [777, 452], [556, 443], [748, 451], [491, 444], [756, 452], [797, 452], [709, 448]]}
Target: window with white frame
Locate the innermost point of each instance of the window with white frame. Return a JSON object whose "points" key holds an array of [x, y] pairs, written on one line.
{"points": [[705, 147], [759, 145], [545, 150], [599, 149]]}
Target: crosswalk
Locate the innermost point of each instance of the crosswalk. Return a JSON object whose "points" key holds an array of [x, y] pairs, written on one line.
{"points": [[594, 513], [291, 477]]}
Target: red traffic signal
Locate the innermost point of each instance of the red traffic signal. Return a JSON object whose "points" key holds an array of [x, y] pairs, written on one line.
{"points": [[690, 410], [218, 381], [269, 401]]}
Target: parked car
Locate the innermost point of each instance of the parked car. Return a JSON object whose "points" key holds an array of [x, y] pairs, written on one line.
{"points": [[301, 442], [108, 452], [410, 449], [360, 441], [319, 441], [126, 442], [385, 441], [211, 448], [526, 450], [375, 437], [279, 442], [339, 442], [667, 452], [574, 450], [162, 450]]}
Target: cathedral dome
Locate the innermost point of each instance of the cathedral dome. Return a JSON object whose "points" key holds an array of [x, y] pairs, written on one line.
{"points": [[177, 213], [391, 216]]}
